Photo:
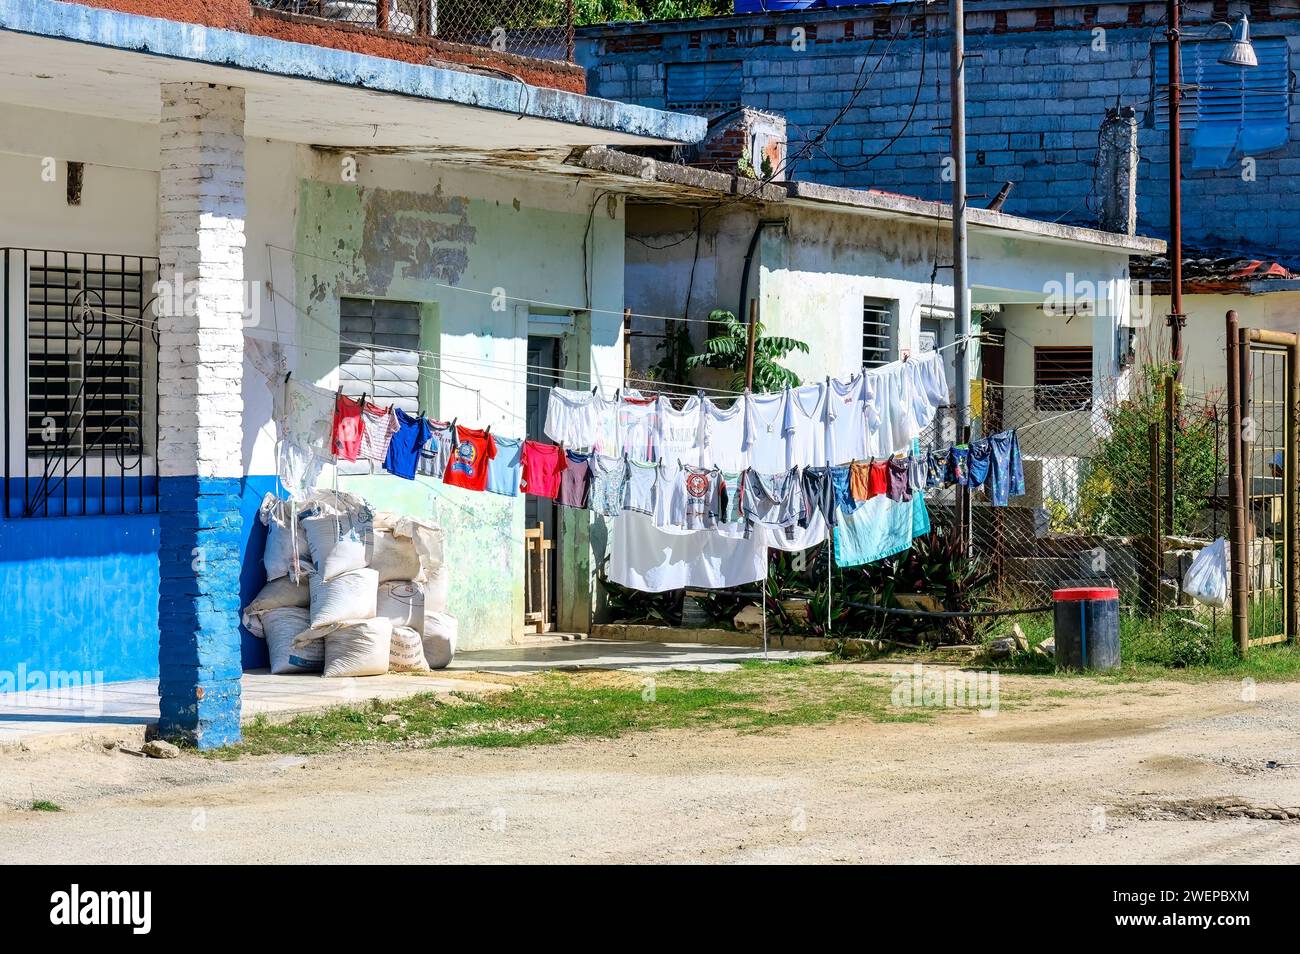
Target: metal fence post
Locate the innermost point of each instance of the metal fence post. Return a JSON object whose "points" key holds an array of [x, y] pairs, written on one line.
{"points": [[1237, 493], [1156, 555], [1171, 421]]}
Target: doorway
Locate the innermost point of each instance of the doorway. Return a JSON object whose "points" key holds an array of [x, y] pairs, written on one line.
{"points": [[540, 525]]}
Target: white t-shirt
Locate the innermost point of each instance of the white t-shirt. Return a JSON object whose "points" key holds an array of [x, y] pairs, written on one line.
{"points": [[847, 421], [645, 558], [642, 480], [806, 441], [690, 500], [769, 422], [726, 436], [679, 431], [638, 427], [890, 426]]}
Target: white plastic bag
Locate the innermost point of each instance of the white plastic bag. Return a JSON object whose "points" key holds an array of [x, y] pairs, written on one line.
{"points": [[1207, 577], [349, 596]]}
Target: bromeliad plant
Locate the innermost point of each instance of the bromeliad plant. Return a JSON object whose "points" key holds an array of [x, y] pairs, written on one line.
{"points": [[729, 351]]}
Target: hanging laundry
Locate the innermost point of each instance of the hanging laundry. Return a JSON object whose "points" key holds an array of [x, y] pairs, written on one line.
{"points": [[571, 417], [799, 537], [307, 417], [731, 516], [1006, 472], [680, 431], [936, 466], [927, 388], [806, 436], [471, 451], [542, 466], [436, 451], [897, 473], [773, 500], [917, 472], [726, 436], [770, 422], [378, 425], [404, 448], [886, 409], [297, 468], [608, 438], [638, 424], [957, 464], [575, 481], [505, 470], [978, 467], [347, 428], [818, 497], [691, 499], [608, 484], [847, 420], [646, 558], [642, 486], [880, 528], [841, 487]]}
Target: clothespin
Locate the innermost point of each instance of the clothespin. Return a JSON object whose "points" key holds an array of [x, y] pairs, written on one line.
{"points": [[287, 376], [364, 395]]}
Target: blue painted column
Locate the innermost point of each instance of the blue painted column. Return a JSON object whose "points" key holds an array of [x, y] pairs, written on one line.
{"points": [[200, 307]]}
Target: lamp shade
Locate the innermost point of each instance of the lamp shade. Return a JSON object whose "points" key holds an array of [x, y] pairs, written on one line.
{"points": [[1239, 51]]}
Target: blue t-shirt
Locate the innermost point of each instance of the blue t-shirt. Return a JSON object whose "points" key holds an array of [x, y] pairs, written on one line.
{"points": [[506, 469], [404, 449]]}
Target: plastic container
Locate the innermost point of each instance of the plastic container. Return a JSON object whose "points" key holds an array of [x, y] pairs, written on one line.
{"points": [[1086, 623], [775, 6]]}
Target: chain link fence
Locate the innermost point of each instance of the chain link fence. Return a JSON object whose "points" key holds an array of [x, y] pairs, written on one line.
{"points": [[542, 29]]}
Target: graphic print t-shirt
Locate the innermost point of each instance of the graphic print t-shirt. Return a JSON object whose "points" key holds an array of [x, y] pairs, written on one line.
{"points": [[471, 450]]}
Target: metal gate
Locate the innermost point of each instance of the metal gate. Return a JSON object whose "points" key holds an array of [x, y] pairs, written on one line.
{"points": [[1263, 399]]}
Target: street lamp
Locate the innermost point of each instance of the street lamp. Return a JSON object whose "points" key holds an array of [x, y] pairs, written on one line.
{"points": [[1240, 53]]}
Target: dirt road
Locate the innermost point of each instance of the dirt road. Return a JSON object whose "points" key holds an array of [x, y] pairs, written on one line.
{"points": [[1074, 771]]}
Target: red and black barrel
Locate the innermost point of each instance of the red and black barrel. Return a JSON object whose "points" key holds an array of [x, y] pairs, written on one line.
{"points": [[1086, 627]]}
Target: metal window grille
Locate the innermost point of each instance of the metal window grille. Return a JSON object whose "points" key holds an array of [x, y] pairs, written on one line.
{"points": [[1063, 378], [80, 337], [710, 85], [877, 332]]}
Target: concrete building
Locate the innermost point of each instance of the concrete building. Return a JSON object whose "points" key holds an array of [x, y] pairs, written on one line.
{"points": [[278, 196]]}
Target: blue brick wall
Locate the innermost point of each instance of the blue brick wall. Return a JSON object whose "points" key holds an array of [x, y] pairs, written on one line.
{"points": [[1036, 98]]}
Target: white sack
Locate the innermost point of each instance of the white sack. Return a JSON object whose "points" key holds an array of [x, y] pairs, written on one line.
{"points": [[287, 552], [394, 557], [358, 649], [430, 541], [277, 594], [440, 634], [402, 601], [282, 625], [349, 596], [436, 583], [339, 542], [406, 651]]}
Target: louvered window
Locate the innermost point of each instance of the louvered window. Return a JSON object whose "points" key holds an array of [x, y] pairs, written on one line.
{"points": [[707, 85], [379, 343], [1063, 378], [1230, 110], [877, 332]]}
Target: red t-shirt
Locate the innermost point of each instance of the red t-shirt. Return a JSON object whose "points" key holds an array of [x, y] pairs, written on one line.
{"points": [[347, 427], [543, 465], [467, 466]]}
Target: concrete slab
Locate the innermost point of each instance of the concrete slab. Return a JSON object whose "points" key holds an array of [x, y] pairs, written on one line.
{"points": [[126, 710], [573, 655]]}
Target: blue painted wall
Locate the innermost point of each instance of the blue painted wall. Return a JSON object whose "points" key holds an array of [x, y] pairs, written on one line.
{"points": [[81, 593]]}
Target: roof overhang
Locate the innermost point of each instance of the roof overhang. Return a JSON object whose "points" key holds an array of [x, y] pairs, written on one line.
{"points": [[650, 178], [78, 59]]}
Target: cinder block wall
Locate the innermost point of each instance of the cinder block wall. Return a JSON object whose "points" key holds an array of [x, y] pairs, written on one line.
{"points": [[1038, 85]]}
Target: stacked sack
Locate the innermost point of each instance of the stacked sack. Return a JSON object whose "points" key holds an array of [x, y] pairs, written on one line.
{"points": [[349, 592]]}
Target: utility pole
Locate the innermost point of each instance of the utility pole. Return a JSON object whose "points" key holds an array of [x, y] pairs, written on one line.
{"points": [[960, 292], [1176, 317]]}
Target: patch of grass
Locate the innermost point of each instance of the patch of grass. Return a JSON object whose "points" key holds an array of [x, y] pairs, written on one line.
{"points": [[559, 706], [42, 805]]}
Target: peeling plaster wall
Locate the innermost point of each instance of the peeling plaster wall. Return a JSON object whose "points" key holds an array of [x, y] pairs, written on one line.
{"points": [[440, 236]]}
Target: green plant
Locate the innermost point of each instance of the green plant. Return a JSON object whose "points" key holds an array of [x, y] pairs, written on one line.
{"points": [[1117, 497], [729, 351], [633, 606], [673, 367]]}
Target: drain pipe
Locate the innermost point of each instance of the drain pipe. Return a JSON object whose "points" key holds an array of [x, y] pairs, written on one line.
{"points": [[749, 261]]}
